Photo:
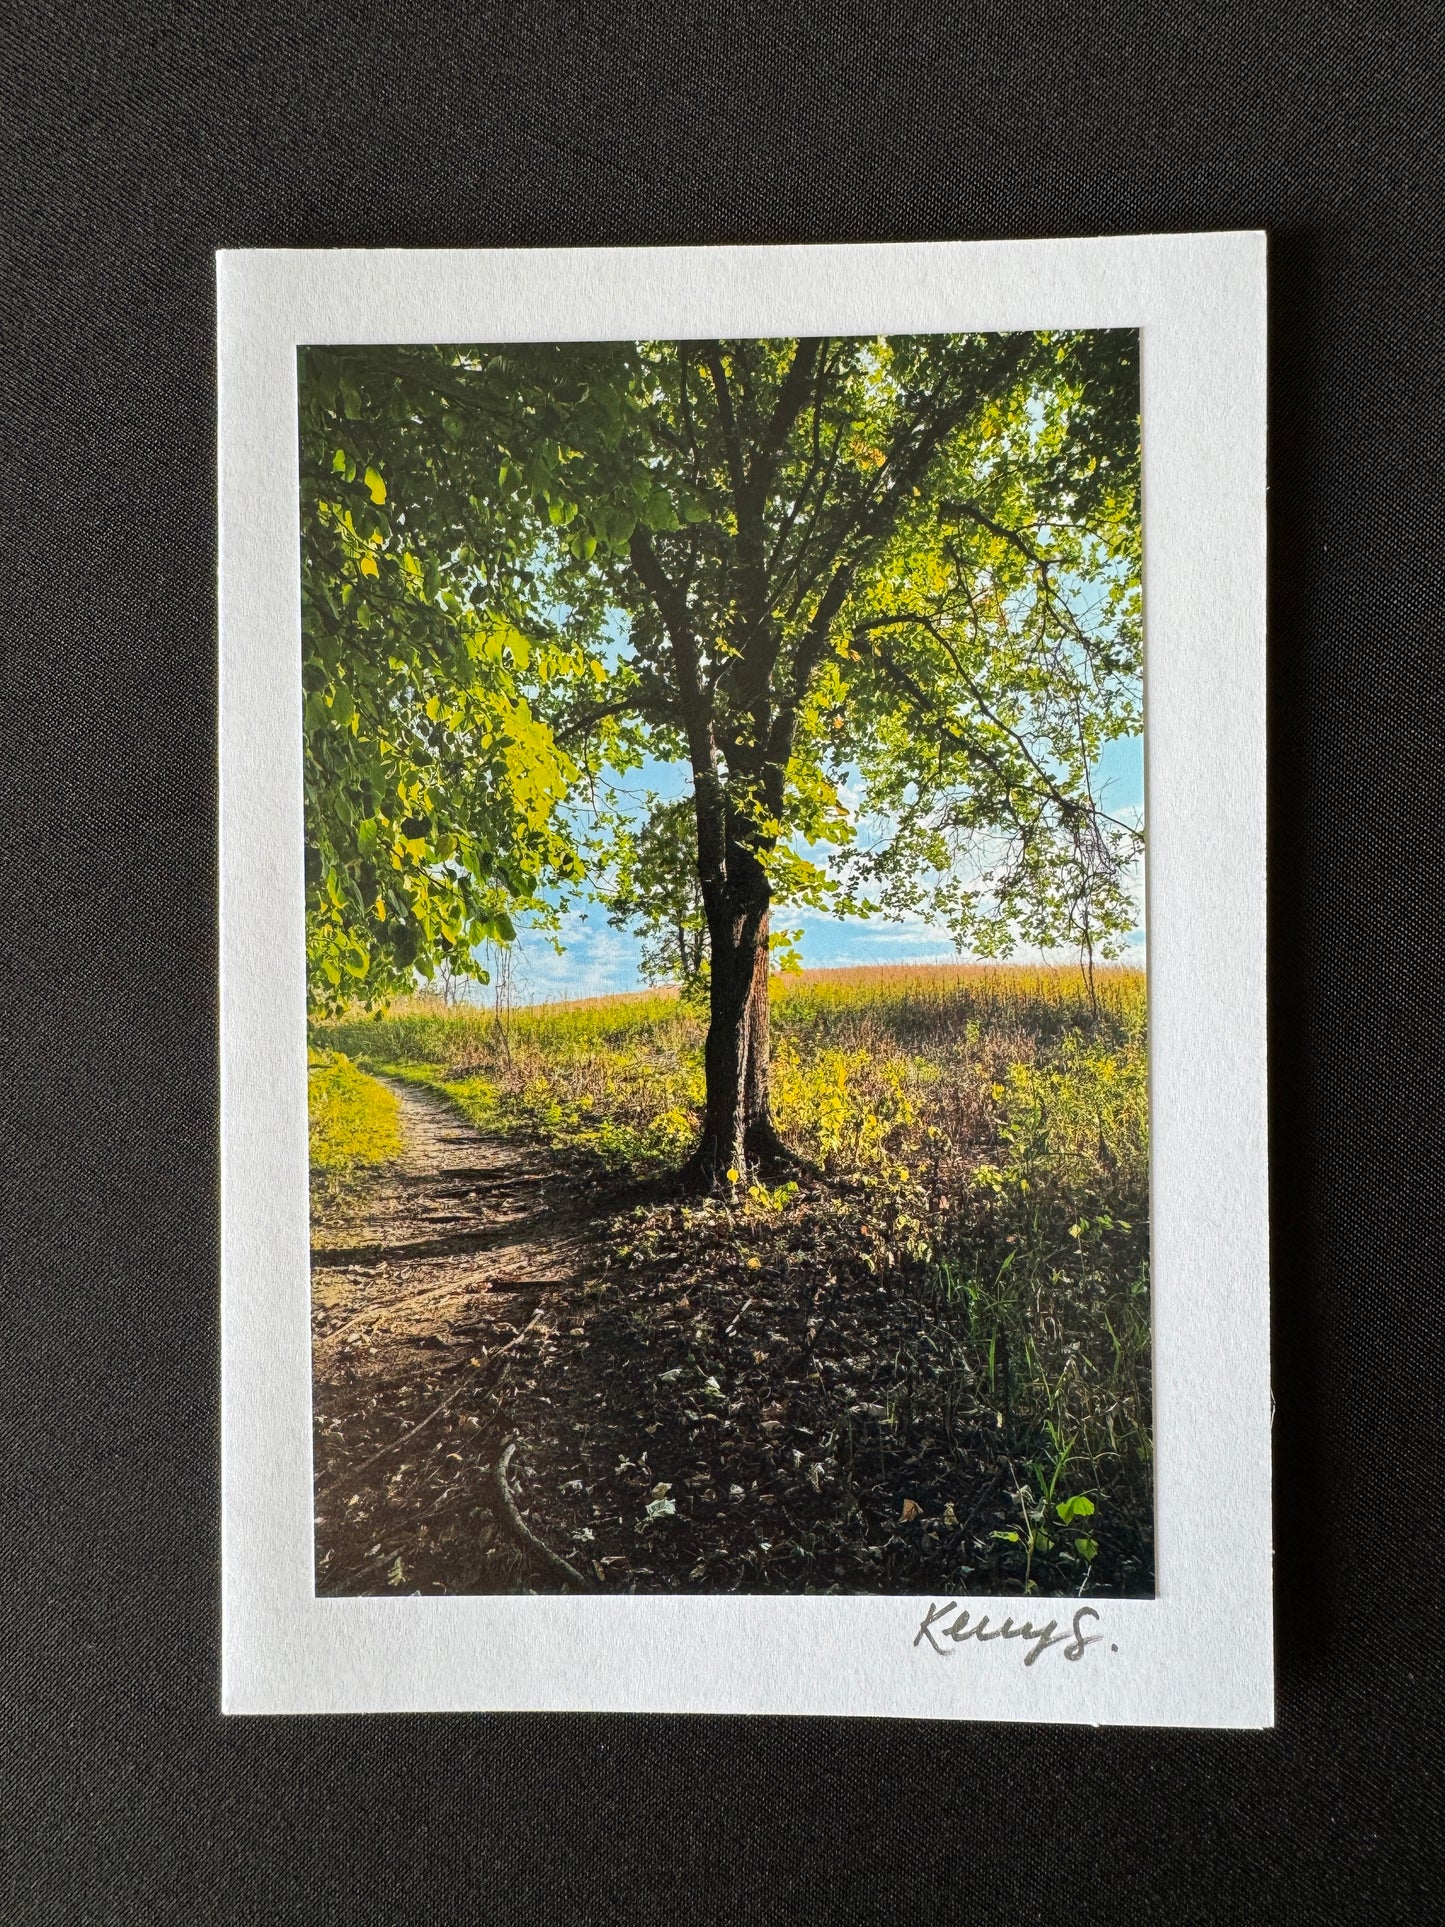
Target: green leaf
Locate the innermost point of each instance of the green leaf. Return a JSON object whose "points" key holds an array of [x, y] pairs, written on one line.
{"points": [[1086, 1549], [516, 476], [1071, 1509]]}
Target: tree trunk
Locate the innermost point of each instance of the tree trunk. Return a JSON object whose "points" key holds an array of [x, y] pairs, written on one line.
{"points": [[737, 1134]]}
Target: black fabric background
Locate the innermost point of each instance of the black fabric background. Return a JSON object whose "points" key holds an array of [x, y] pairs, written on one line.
{"points": [[137, 141]]}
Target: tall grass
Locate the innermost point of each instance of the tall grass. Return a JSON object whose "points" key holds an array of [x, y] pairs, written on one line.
{"points": [[992, 1122], [873, 1069]]}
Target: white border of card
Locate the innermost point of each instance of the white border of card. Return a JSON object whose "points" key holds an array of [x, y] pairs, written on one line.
{"points": [[1200, 1652]]}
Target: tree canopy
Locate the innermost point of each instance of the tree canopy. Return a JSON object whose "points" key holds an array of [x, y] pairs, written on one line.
{"points": [[880, 597]]}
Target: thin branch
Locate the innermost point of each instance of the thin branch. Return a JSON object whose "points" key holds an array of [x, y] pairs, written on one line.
{"points": [[587, 720], [552, 1560], [436, 1411], [712, 361], [1064, 803]]}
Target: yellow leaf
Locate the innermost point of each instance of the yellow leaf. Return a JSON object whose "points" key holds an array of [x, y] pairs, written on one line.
{"points": [[376, 485], [368, 565]]}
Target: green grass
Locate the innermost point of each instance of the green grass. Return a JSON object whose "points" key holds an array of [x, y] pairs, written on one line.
{"points": [[355, 1121], [989, 1125]]}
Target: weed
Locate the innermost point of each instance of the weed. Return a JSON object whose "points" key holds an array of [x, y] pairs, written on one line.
{"points": [[987, 1130]]}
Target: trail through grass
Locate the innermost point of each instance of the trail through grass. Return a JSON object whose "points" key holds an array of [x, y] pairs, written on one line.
{"points": [[985, 1132]]}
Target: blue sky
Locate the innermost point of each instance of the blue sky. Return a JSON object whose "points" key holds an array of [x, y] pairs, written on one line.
{"points": [[597, 960]]}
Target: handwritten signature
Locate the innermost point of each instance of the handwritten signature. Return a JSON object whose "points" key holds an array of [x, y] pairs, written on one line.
{"points": [[1075, 1641]]}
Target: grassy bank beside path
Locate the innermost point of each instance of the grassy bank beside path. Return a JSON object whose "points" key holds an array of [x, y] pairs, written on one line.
{"points": [[984, 1133], [354, 1121]]}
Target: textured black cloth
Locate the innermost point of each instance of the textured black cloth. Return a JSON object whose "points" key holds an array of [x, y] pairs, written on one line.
{"points": [[137, 140]]}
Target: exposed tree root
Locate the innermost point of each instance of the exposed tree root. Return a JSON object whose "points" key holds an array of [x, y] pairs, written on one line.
{"points": [[767, 1156], [553, 1561], [767, 1152]]}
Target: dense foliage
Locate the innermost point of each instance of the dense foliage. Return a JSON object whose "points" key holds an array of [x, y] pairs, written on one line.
{"points": [[890, 583]]}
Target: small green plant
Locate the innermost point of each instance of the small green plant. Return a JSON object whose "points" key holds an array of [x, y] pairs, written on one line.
{"points": [[984, 1132]]}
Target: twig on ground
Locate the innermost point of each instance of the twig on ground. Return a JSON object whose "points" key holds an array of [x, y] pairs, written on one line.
{"points": [[377, 1313], [436, 1411], [552, 1560]]}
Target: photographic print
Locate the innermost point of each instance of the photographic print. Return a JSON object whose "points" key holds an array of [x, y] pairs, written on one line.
{"points": [[744, 1177], [727, 1042]]}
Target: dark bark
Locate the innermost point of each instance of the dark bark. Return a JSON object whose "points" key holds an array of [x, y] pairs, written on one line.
{"points": [[746, 720], [738, 1135]]}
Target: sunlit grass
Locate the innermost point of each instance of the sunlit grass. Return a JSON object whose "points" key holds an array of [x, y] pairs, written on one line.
{"points": [[354, 1120], [992, 1123]]}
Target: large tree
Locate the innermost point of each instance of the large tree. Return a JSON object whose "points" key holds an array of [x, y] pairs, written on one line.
{"points": [[855, 585]]}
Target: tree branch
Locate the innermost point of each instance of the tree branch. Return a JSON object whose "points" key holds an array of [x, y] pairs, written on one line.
{"points": [[1066, 805], [696, 710], [712, 361]]}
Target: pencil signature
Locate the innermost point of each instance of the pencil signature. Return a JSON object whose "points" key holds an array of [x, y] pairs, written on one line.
{"points": [[1075, 1641]]}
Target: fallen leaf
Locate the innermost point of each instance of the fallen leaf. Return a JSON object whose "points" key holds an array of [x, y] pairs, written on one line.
{"points": [[912, 1510], [950, 1517]]}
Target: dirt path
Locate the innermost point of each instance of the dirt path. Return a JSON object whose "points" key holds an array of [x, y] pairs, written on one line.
{"points": [[529, 1379], [463, 1217], [462, 1258]]}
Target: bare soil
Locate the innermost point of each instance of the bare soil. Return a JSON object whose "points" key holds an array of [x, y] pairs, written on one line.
{"points": [[529, 1377]]}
